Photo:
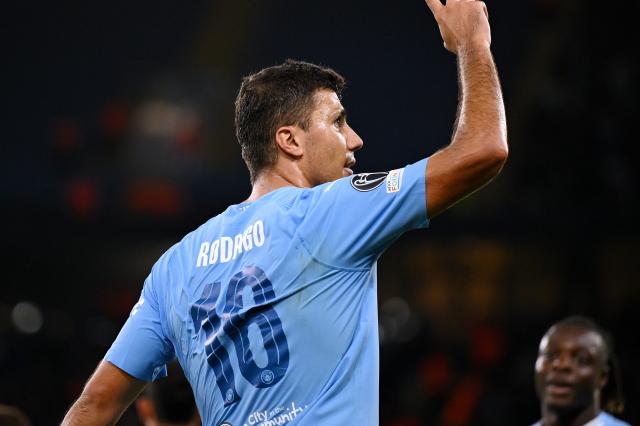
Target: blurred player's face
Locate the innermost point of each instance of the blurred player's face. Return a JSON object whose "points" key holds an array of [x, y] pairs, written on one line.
{"points": [[570, 369], [329, 143]]}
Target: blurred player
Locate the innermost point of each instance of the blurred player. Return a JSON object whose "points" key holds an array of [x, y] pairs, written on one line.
{"points": [[270, 307], [168, 401], [12, 416], [577, 376]]}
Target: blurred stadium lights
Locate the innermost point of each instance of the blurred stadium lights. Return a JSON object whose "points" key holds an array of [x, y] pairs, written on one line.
{"points": [[154, 197], [27, 317], [436, 373], [397, 324], [163, 119], [82, 197]]}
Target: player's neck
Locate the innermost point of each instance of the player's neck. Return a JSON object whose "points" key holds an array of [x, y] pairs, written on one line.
{"points": [[551, 418], [276, 178]]}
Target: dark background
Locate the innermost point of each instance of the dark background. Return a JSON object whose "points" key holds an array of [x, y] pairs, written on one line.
{"points": [[118, 139]]}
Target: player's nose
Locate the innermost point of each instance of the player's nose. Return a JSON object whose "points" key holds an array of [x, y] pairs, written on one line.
{"points": [[561, 362], [354, 141]]}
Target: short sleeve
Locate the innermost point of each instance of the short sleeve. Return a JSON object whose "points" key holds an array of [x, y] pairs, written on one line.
{"points": [[142, 348], [351, 221]]}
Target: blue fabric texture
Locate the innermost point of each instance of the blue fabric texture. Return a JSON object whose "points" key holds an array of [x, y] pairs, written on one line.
{"points": [[270, 306]]}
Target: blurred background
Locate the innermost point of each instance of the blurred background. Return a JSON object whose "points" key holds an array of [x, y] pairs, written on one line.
{"points": [[118, 139]]}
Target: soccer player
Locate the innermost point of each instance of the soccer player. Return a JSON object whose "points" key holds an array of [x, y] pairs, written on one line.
{"points": [[577, 375], [270, 307]]}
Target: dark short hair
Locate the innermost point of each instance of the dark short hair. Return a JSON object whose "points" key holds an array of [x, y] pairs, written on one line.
{"points": [[612, 397], [277, 96]]}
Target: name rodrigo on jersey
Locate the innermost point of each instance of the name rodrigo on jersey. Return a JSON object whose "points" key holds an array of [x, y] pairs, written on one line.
{"points": [[225, 249]]}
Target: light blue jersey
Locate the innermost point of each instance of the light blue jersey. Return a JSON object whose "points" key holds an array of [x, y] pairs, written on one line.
{"points": [[270, 307], [603, 419]]}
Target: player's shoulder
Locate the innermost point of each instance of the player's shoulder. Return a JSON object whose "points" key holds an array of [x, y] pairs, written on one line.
{"points": [[177, 255], [234, 219], [609, 420], [386, 181]]}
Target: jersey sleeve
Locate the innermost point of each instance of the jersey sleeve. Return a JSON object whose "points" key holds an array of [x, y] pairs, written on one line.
{"points": [[351, 221], [142, 348]]}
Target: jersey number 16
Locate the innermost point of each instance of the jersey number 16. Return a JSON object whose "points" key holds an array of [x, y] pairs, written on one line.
{"points": [[235, 325]]}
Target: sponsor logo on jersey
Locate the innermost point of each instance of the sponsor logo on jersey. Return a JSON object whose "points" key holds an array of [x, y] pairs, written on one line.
{"points": [[394, 180], [225, 424], [280, 415], [364, 182]]}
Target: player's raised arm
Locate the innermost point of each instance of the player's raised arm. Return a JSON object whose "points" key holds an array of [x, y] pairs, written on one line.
{"points": [[104, 398], [478, 149]]}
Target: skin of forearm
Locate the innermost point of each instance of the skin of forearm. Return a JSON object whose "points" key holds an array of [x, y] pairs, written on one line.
{"points": [[478, 149], [105, 397], [86, 412], [481, 122]]}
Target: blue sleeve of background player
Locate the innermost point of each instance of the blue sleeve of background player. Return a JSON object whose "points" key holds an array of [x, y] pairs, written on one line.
{"points": [[351, 221], [142, 348]]}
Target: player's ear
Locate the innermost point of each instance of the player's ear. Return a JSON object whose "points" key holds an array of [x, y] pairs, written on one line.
{"points": [[288, 139]]}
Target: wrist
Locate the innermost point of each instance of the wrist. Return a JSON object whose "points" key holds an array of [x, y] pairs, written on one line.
{"points": [[475, 46]]}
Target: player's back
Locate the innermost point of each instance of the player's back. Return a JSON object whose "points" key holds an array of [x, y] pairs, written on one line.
{"points": [[260, 326], [270, 307]]}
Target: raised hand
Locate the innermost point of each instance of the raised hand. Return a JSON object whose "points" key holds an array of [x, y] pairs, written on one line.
{"points": [[462, 23]]}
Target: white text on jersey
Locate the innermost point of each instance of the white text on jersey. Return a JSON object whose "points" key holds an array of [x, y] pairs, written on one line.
{"points": [[225, 249]]}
